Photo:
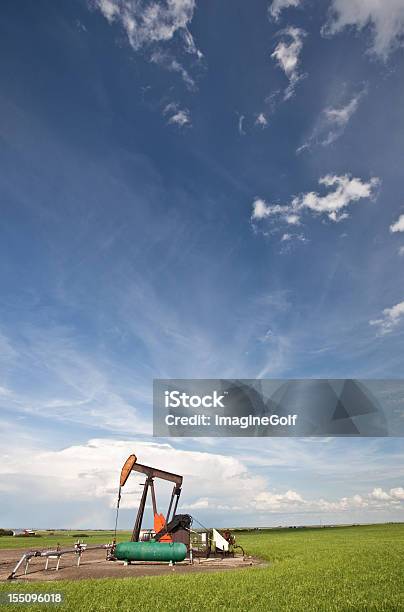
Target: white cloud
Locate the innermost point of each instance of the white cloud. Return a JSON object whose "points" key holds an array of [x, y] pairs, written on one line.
{"points": [[75, 387], [277, 6], [180, 118], [92, 470], [292, 219], [151, 22], [379, 494], [343, 191], [386, 18], [261, 120], [391, 318], [356, 502], [398, 226], [346, 190], [287, 55], [173, 65], [289, 241], [267, 501], [240, 125], [401, 251], [261, 209], [177, 116], [190, 46], [89, 473], [397, 493], [198, 504], [109, 8], [341, 116], [332, 123], [287, 236]]}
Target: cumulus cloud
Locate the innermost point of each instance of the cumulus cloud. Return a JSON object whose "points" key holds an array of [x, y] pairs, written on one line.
{"points": [[268, 501], [346, 189], [390, 320], [385, 17], [92, 470], [331, 124], [177, 116], [89, 472], [149, 22], [398, 226], [356, 502], [378, 493], [261, 209], [342, 191], [397, 493], [287, 55], [291, 500], [277, 6]]}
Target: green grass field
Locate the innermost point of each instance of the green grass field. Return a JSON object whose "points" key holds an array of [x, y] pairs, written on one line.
{"points": [[344, 568]]}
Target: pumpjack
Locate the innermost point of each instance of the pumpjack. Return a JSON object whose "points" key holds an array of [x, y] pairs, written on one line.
{"points": [[169, 528]]}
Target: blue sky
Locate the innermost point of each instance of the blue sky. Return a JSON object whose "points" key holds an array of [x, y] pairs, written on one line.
{"points": [[201, 190]]}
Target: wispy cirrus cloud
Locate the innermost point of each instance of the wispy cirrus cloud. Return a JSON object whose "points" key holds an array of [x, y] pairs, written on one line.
{"points": [[240, 125], [342, 191], [70, 385], [289, 240], [287, 55], [151, 22], [173, 65], [331, 124]]}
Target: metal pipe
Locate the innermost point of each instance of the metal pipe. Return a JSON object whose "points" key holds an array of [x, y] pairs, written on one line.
{"points": [[78, 549]]}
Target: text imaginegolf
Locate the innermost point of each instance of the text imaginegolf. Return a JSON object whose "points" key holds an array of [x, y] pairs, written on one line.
{"points": [[243, 422]]}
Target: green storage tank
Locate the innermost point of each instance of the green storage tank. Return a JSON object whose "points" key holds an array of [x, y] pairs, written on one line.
{"points": [[150, 551]]}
